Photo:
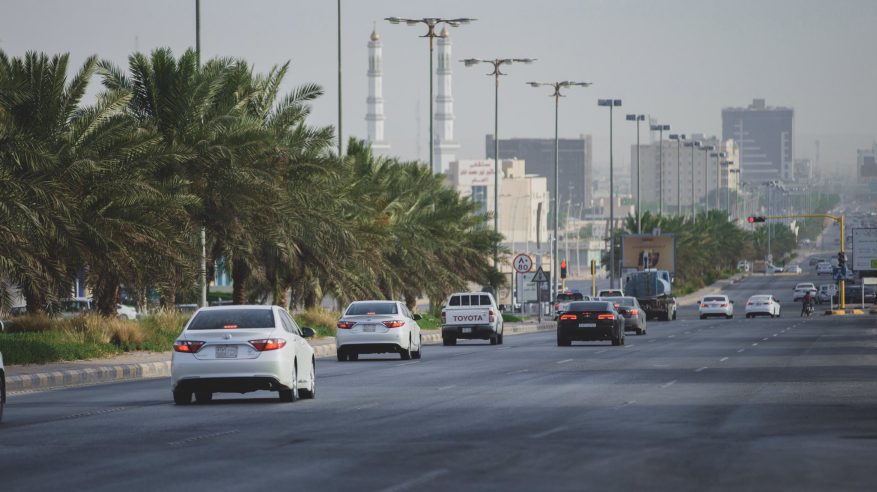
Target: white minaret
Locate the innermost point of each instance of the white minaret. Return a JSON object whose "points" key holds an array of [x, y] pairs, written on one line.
{"points": [[445, 147], [375, 101]]}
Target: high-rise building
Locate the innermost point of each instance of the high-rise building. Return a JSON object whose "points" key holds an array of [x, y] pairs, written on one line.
{"points": [[375, 101], [866, 163], [445, 146], [574, 158], [677, 188], [764, 134]]}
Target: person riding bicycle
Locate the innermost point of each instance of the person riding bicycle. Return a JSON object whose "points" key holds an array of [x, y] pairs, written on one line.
{"points": [[807, 303]]}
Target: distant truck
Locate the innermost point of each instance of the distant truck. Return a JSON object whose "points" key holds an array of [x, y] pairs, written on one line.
{"points": [[759, 266], [471, 315], [654, 291]]}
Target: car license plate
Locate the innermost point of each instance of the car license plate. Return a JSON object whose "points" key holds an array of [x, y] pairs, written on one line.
{"points": [[587, 325], [369, 328], [467, 330], [226, 351]]}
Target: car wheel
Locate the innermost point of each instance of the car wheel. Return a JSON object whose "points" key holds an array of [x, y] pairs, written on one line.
{"points": [[702, 317], [203, 397], [674, 315], [182, 397], [341, 356], [494, 339], [563, 342], [640, 331], [730, 316], [291, 394], [311, 392], [419, 352], [499, 339], [448, 341], [353, 356], [405, 353], [2, 396], [616, 342]]}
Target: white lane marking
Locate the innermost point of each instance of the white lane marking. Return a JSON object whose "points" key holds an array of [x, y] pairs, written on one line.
{"points": [[564, 361], [667, 385], [600, 351], [774, 334], [407, 364], [754, 344], [367, 405], [687, 333], [410, 484], [548, 432], [201, 437], [723, 359], [671, 336], [519, 371], [741, 350], [631, 402], [764, 339], [652, 340], [699, 369], [447, 387]]}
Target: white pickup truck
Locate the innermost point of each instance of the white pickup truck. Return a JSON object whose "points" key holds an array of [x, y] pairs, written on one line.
{"points": [[470, 316]]}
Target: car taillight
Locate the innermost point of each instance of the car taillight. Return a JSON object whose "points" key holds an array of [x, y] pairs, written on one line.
{"points": [[394, 324], [605, 316], [556, 306], [267, 344], [703, 305], [633, 312], [493, 315], [345, 325], [444, 317], [749, 303], [724, 305], [564, 317], [187, 346]]}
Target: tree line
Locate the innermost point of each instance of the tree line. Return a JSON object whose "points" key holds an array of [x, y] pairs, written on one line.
{"points": [[119, 190]]}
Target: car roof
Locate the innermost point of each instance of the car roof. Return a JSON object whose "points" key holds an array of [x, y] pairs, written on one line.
{"points": [[760, 295], [372, 300], [236, 307]]}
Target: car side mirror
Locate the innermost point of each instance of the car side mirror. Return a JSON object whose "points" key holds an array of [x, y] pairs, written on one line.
{"points": [[417, 317], [308, 332], [732, 302]]}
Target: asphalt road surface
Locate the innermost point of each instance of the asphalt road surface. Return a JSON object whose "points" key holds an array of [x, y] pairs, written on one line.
{"points": [[764, 404]]}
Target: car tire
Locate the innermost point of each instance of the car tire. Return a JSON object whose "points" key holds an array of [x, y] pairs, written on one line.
{"points": [[499, 338], [616, 342], [203, 397], [2, 396], [291, 394], [640, 331], [494, 339], [353, 356], [702, 317], [310, 393], [417, 354], [448, 341], [563, 342], [342, 357], [405, 353], [674, 314], [182, 397], [730, 316]]}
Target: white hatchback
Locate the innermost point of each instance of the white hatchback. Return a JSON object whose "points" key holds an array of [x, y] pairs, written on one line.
{"points": [[238, 349], [716, 306], [378, 327], [765, 305]]}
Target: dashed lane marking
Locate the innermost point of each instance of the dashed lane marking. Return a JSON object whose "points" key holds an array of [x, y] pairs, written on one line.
{"points": [[414, 482], [652, 340], [564, 361], [542, 434], [699, 369], [667, 385], [407, 363], [764, 339], [367, 405], [201, 437], [519, 371], [741, 350], [723, 359], [447, 387], [671, 336], [600, 351], [755, 344]]}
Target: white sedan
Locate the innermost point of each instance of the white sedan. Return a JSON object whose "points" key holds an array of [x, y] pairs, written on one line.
{"points": [[378, 327], [716, 306], [238, 349], [765, 305]]}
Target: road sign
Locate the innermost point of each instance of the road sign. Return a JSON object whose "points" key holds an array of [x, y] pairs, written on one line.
{"points": [[540, 276], [869, 280], [523, 263], [864, 249]]}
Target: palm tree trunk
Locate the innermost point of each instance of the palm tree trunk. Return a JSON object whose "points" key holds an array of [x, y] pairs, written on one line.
{"points": [[410, 301], [106, 295], [36, 300], [240, 273]]}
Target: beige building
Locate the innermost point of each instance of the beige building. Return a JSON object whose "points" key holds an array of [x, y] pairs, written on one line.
{"points": [[523, 199], [677, 186]]}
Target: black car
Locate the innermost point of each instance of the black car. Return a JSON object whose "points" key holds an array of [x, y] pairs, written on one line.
{"points": [[590, 320]]}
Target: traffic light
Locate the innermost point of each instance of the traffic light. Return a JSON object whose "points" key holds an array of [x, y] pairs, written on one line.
{"points": [[753, 220], [841, 260], [562, 268]]}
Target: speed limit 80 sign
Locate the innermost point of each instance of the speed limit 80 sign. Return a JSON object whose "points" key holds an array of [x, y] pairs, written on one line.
{"points": [[523, 263]]}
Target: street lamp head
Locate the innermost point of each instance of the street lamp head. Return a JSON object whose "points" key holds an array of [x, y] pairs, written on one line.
{"points": [[471, 61], [674, 136], [393, 20], [524, 60], [609, 102], [461, 20], [534, 84], [580, 84]]}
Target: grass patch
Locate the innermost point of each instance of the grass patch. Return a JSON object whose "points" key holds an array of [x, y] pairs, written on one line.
{"points": [[429, 322], [322, 320], [511, 318]]}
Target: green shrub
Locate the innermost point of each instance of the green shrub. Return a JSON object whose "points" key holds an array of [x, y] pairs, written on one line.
{"points": [[322, 320], [430, 322], [43, 347], [511, 318]]}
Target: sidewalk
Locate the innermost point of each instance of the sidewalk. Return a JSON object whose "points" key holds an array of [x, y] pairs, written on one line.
{"points": [[148, 365]]}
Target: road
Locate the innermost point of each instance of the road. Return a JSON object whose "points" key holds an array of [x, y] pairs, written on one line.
{"points": [[765, 404]]}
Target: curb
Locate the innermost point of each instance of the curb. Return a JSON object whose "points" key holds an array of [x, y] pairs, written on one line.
{"points": [[153, 370]]}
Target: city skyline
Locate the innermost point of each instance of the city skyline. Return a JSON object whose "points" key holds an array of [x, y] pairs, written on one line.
{"points": [[723, 58]]}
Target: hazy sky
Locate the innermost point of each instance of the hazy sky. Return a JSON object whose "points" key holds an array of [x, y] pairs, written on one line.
{"points": [[680, 61]]}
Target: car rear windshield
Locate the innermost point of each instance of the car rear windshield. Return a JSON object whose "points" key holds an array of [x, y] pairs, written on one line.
{"points": [[225, 319], [575, 296], [611, 293], [589, 306], [713, 299], [369, 308], [470, 300], [759, 298], [623, 301]]}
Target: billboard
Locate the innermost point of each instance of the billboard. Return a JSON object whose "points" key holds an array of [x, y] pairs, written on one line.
{"points": [[648, 251], [864, 249]]}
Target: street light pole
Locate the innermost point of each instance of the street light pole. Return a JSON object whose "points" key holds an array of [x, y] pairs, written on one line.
{"points": [[693, 145], [340, 132], [611, 104], [496, 63], [431, 23], [678, 138], [706, 182], [660, 129], [639, 215], [557, 86]]}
